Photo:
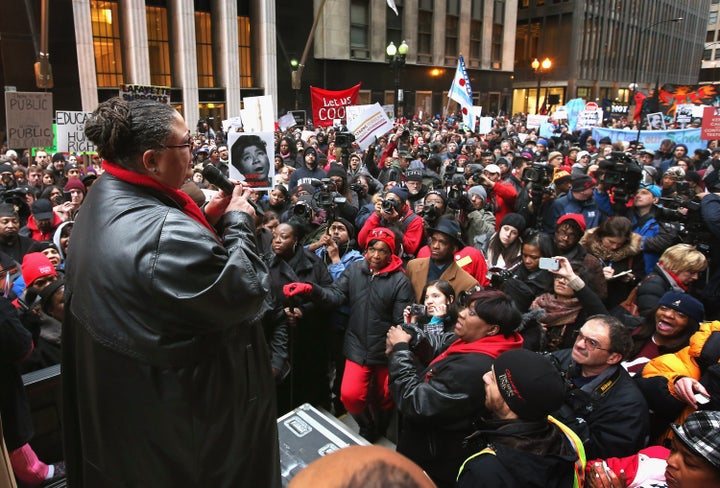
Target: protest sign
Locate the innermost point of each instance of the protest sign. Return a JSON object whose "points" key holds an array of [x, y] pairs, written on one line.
{"points": [[145, 92], [28, 118], [710, 124], [329, 105], [71, 132], [258, 114], [372, 122], [252, 158]]}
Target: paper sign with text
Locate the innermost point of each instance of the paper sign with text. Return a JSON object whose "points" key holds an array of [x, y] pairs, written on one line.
{"points": [[71, 132], [29, 119], [370, 123]]}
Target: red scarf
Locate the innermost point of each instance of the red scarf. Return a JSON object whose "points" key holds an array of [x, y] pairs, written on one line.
{"points": [[493, 346], [675, 278], [186, 204]]}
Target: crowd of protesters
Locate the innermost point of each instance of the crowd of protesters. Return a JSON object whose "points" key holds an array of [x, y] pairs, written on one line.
{"points": [[406, 278]]}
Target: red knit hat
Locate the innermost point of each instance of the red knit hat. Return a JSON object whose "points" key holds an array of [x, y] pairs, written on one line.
{"points": [[577, 218], [36, 265], [384, 235]]}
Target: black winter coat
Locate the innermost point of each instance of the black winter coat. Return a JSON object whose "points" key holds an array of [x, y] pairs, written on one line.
{"points": [[376, 304], [653, 288], [15, 344], [611, 419], [309, 338], [166, 373]]}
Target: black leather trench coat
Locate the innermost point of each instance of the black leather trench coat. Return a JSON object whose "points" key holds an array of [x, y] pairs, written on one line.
{"points": [[166, 373]]}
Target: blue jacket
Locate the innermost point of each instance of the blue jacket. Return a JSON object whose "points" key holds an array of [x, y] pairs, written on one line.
{"points": [[567, 204]]}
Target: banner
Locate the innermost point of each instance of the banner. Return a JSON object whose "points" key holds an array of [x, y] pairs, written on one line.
{"points": [[329, 105], [145, 92], [28, 118], [670, 97], [71, 132], [252, 158], [372, 122], [651, 138]]}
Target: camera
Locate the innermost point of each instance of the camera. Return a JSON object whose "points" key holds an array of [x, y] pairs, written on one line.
{"points": [[390, 204], [539, 174], [550, 264], [418, 310], [344, 139], [430, 214], [302, 210], [621, 176]]}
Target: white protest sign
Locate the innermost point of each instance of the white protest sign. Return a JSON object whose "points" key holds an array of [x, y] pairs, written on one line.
{"points": [[261, 111], [145, 92], [560, 113], [588, 119], [535, 121], [286, 121], [232, 124], [683, 114], [370, 123], [352, 112], [29, 119], [486, 124], [252, 158], [71, 132]]}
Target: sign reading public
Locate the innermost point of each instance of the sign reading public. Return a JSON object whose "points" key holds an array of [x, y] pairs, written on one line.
{"points": [[28, 116]]}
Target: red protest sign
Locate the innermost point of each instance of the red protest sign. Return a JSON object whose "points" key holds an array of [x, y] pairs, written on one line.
{"points": [[329, 105], [710, 124]]}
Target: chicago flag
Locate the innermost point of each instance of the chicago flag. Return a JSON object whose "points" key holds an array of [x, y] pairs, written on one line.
{"points": [[461, 92]]}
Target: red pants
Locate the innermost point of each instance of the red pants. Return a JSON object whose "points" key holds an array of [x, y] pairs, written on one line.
{"points": [[355, 388]]}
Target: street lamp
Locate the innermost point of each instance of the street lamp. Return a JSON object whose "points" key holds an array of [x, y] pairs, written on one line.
{"points": [[540, 68], [396, 59], [639, 43]]}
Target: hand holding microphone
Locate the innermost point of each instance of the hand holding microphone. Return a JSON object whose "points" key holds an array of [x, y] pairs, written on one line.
{"points": [[240, 199]]}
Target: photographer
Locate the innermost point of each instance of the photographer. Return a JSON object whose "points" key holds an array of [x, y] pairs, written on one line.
{"points": [[479, 221], [393, 209], [580, 200], [501, 195]]}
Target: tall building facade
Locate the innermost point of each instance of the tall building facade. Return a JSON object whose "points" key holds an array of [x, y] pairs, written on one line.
{"points": [[210, 53], [350, 47], [710, 68], [598, 48]]}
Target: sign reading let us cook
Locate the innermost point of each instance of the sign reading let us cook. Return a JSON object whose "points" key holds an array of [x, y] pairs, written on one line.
{"points": [[329, 105]]}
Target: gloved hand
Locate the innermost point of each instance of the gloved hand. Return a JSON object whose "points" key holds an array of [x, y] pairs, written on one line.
{"points": [[293, 289]]}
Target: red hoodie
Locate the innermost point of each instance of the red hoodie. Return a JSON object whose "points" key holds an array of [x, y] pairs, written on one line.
{"points": [[39, 235]]}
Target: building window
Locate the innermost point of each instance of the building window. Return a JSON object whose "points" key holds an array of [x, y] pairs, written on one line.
{"points": [[498, 32], [524, 3], [203, 43], [425, 28], [245, 52], [710, 36], [359, 29], [707, 54], [106, 43], [476, 15], [584, 92], [393, 24], [158, 45], [451, 29], [717, 54], [712, 18]]}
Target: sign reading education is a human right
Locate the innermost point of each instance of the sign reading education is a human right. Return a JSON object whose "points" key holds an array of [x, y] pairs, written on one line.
{"points": [[71, 132], [29, 119]]}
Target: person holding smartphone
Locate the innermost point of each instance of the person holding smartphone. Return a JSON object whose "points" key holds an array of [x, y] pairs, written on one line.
{"points": [[567, 307]]}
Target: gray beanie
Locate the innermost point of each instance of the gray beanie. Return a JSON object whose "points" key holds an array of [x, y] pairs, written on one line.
{"points": [[478, 190]]}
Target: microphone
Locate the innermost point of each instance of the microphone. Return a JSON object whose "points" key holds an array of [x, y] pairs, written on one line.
{"points": [[215, 177]]}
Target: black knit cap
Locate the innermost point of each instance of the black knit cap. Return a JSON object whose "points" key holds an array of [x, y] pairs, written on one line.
{"points": [[530, 384]]}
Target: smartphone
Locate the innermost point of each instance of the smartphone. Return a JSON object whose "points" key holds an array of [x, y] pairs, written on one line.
{"points": [[67, 197], [701, 399], [550, 264], [417, 309]]}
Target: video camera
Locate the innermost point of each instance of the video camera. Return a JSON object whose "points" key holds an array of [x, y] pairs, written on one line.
{"points": [[621, 176], [538, 174], [690, 225]]}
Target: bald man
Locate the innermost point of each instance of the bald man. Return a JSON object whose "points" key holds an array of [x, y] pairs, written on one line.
{"points": [[361, 466]]}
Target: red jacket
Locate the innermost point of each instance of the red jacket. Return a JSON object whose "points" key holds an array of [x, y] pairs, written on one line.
{"points": [[505, 197], [37, 234], [413, 231]]}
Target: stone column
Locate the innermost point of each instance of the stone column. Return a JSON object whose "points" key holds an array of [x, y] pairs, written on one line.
{"points": [[181, 14], [135, 42], [85, 54]]}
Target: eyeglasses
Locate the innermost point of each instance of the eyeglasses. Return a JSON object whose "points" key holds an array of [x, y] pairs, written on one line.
{"points": [[189, 144], [590, 344]]}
